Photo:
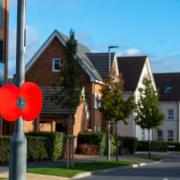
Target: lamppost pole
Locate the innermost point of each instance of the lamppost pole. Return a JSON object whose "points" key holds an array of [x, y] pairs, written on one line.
{"points": [[18, 154], [109, 122]]}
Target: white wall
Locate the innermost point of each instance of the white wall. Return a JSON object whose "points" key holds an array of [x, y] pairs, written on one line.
{"points": [[131, 129], [169, 124]]}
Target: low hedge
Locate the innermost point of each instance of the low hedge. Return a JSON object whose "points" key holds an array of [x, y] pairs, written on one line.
{"points": [[94, 139], [89, 138], [127, 145], [40, 146], [173, 146], [4, 149], [160, 146], [54, 143]]}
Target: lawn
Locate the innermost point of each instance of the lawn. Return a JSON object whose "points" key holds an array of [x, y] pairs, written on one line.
{"points": [[79, 168]]}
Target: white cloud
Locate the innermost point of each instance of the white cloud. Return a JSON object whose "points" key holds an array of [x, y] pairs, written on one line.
{"points": [[132, 51]]}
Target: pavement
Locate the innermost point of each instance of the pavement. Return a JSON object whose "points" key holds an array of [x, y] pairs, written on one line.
{"points": [[115, 173]]}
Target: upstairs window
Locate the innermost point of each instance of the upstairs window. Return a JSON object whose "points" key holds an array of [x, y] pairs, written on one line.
{"points": [[168, 89], [170, 114], [56, 65]]}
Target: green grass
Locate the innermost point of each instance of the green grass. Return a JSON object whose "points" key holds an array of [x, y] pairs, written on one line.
{"points": [[79, 168], [3, 179]]}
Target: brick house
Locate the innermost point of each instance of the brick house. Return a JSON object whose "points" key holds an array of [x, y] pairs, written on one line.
{"points": [[133, 69], [44, 69]]}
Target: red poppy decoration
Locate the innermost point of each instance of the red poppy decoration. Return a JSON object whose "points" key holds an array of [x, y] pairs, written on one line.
{"points": [[25, 102]]}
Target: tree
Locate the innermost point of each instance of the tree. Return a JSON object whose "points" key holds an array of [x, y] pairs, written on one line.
{"points": [[114, 106], [148, 113], [69, 88]]}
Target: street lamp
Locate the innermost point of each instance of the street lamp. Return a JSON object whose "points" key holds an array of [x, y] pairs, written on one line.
{"points": [[19, 143], [109, 122], [109, 51]]}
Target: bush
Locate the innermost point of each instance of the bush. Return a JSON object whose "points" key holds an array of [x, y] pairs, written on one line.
{"points": [[160, 146], [40, 146], [54, 143], [4, 149], [94, 138], [127, 145], [173, 146], [36, 148]]}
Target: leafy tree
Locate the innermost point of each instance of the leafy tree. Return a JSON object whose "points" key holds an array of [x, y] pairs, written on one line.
{"points": [[70, 84], [114, 106], [148, 115]]}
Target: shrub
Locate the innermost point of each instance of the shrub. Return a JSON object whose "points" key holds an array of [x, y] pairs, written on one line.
{"points": [[4, 149], [160, 146], [94, 138], [173, 146], [54, 143], [88, 149], [127, 145], [36, 150]]}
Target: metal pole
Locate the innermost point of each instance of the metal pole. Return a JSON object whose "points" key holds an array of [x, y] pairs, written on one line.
{"points": [[19, 142], [109, 59]]}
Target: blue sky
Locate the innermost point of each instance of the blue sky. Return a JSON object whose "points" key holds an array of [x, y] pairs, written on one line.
{"points": [[139, 27]]}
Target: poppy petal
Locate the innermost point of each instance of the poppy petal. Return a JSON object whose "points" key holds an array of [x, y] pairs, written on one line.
{"points": [[8, 102], [33, 98]]}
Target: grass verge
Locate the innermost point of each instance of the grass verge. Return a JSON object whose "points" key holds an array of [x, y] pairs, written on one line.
{"points": [[79, 168]]}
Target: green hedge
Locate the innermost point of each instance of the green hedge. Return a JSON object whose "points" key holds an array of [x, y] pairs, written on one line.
{"points": [[89, 138], [95, 138], [4, 149], [40, 146], [54, 143], [160, 146], [127, 145], [173, 146], [36, 148]]}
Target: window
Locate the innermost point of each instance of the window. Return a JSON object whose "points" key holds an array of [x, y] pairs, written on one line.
{"points": [[97, 100], [143, 134], [168, 89], [170, 114], [170, 135], [56, 65], [159, 135]]}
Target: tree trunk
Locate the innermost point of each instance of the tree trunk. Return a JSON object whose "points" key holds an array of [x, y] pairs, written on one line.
{"points": [[70, 144], [149, 144], [109, 141], [116, 139]]}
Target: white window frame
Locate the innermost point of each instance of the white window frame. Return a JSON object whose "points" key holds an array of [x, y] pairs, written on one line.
{"points": [[170, 117], [53, 64]]}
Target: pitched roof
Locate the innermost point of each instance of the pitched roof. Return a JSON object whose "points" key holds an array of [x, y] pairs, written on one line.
{"points": [[50, 107], [101, 62], [131, 68], [81, 55], [168, 85]]}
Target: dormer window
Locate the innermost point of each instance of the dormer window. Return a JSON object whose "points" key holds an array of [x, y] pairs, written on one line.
{"points": [[168, 89], [56, 65]]}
